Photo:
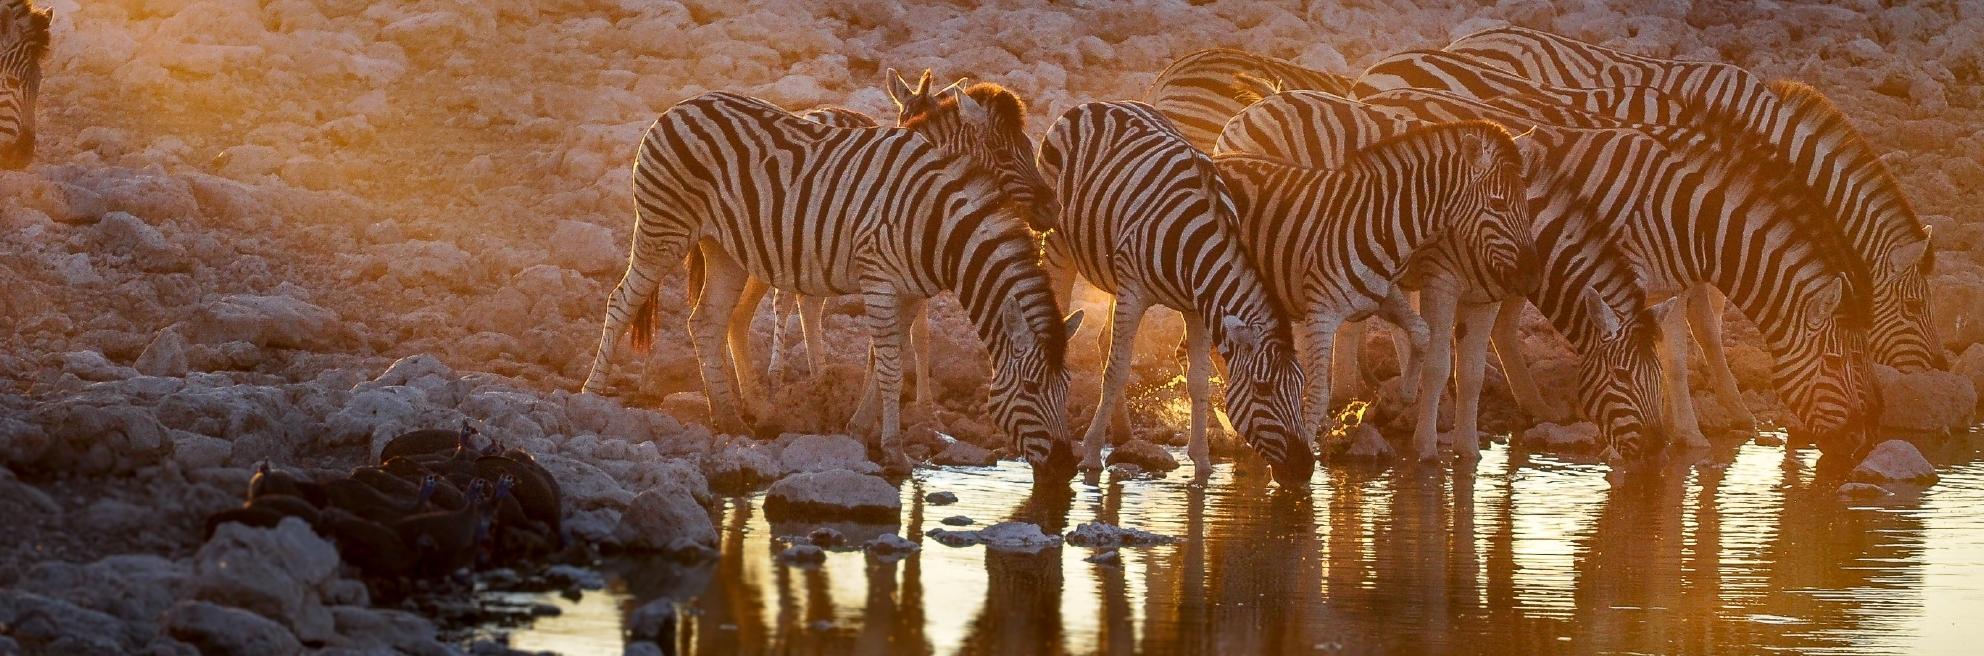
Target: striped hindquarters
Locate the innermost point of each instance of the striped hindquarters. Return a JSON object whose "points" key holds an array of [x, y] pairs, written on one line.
{"points": [[25, 45], [1198, 92]]}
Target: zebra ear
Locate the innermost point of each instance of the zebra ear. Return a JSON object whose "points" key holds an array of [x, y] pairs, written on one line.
{"points": [[923, 83], [1825, 301], [1908, 256], [908, 101], [969, 109], [1017, 332], [1243, 338], [1601, 314], [1475, 149]]}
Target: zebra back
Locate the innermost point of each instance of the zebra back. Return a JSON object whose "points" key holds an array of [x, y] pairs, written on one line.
{"points": [[839, 117], [23, 46], [1436, 69], [1316, 129], [1198, 91]]}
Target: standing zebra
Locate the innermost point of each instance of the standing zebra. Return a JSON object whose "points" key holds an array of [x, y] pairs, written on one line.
{"points": [[1146, 218], [1806, 131], [1196, 92], [820, 211], [1436, 69], [1334, 245], [1706, 213], [1618, 375], [23, 46]]}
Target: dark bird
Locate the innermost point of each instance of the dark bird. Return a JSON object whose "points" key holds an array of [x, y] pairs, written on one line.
{"points": [[447, 540], [355, 497], [427, 442], [375, 549], [533, 487], [269, 481]]}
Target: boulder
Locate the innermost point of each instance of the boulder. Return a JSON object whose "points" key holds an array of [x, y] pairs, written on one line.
{"points": [[266, 321], [1558, 437], [164, 356], [814, 453], [220, 630], [1004, 536], [834, 493], [92, 366], [1926, 401], [583, 485], [195, 451], [803, 554], [890, 546], [942, 498], [1971, 365], [741, 464], [1364, 442], [386, 630], [275, 572], [122, 234], [666, 520], [1862, 491], [965, 454], [1145, 455], [1894, 460], [45, 625], [957, 520], [133, 588], [1107, 536], [587, 248]]}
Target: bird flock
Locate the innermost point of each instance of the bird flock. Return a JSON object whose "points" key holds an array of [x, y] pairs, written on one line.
{"points": [[1629, 199]]}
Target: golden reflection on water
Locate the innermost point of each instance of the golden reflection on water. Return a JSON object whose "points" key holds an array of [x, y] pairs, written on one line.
{"points": [[1514, 555]]}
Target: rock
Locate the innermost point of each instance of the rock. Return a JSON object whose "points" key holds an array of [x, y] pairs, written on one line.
{"points": [[741, 464], [387, 630], [215, 629], [1100, 535], [667, 520], [965, 454], [419, 262], [814, 453], [164, 356], [583, 485], [957, 520], [195, 451], [274, 572], [1931, 401], [1124, 471], [266, 321], [1003, 536], [1146, 456], [653, 622], [92, 366], [1971, 365], [22, 442], [587, 248], [833, 494], [803, 554], [1863, 491], [1549, 436], [1366, 443], [1106, 557], [1894, 460], [45, 625], [826, 537], [890, 545], [126, 235], [575, 576], [940, 498]]}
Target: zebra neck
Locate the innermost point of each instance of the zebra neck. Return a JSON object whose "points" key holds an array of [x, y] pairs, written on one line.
{"points": [[1839, 168]]}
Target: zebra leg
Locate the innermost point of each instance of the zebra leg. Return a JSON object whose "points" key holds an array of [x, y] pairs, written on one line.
{"points": [[723, 285], [1198, 381], [1315, 340], [1508, 348], [1126, 312], [1348, 368], [777, 363], [750, 388], [919, 352], [1436, 308], [634, 295], [810, 325], [1471, 363], [1673, 355], [1397, 309], [1705, 306]]}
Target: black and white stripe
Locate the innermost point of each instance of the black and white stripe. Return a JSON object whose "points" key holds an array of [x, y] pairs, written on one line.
{"points": [[1804, 129], [21, 54], [824, 211], [1197, 92], [1146, 218], [1436, 69], [1335, 245]]}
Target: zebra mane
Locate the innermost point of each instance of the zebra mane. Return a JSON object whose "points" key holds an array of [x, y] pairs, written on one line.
{"points": [[1423, 138], [1807, 105], [1007, 110], [31, 24]]}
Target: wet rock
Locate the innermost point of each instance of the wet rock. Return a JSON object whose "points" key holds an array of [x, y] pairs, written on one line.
{"points": [[1769, 439], [940, 498], [1146, 456], [1003, 536], [587, 248], [814, 453], [965, 454], [1124, 471], [266, 321], [1106, 557], [653, 622], [889, 545], [1894, 460], [833, 494], [803, 554], [1366, 443], [580, 577], [1100, 535], [667, 520], [1558, 437], [1863, 491], [957, 520], [1932, 401], [221, 630], [826, 537], [275, 572], [164, 356]]}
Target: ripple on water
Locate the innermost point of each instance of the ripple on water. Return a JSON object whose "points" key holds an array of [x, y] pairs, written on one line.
{"points": [[1513, 554]]}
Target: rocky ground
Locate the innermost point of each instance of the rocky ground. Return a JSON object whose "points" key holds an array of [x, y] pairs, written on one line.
{"points": [[284, 230]]}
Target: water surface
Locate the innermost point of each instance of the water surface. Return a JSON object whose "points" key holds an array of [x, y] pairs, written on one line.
{"points": [[1517, 554]]}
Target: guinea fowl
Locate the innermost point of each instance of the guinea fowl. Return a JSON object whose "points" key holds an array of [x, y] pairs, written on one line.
{"points": [[372, 547], [446, 496], [358, 498], [269, 481], [447, 540], [427, 442], [533, 487], [514, 534]]}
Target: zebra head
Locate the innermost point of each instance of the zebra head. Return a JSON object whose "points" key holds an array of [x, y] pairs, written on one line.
{"points": [[1029, 389], [1823, 371], [1619, 385], [1264, 395], [1903, 336], [1502, 233], [23, 45], [986, 125]]}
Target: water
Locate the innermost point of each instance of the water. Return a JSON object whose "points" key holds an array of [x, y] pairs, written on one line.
{"points": [[1517, 554]]}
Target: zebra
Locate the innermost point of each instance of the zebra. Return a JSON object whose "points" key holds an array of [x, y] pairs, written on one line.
{"points": [[22, 49], [1708, 213], [1593, 299], [1196, 91], [818, 210], [1804, 128], [1335, 245], [1436, 69], [1146, 218], [989, 132]]}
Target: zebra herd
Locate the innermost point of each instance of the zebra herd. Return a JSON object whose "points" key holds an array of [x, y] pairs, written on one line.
{"points": [[1276, 207]]}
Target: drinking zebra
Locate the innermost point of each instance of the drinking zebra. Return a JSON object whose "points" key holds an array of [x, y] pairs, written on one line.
{"points": [[1146, 218], [821, 211]]}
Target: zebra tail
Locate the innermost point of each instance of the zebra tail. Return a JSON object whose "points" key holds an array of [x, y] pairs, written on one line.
{"points": [[641, 330]]}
